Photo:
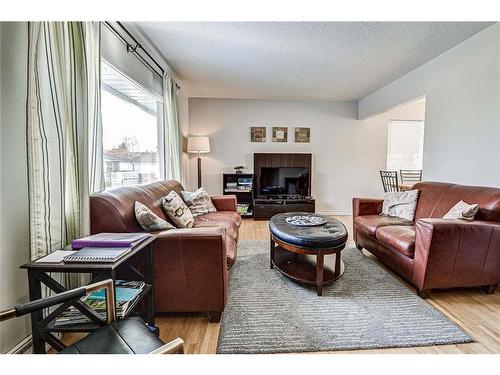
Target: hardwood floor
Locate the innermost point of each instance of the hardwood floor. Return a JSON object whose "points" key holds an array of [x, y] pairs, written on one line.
{"points": [[478, 314]]}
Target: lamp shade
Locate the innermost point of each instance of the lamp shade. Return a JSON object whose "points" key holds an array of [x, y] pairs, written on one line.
{"points": [[198, 145]]}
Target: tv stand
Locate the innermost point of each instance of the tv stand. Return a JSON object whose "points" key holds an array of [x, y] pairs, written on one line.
{"points": [[266, 207], [266, 204], [284, 196]]}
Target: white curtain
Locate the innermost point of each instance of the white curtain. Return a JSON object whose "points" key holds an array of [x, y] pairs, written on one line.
{"points": [[171, 135], [94, 119], [64, 130]]}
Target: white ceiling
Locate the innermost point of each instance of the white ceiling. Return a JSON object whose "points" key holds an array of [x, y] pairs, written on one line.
{"points": [[307, 60]]}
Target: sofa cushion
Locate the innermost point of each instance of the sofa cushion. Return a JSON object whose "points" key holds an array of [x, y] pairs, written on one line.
{"points": [[462, 210], [228, 220], [177, 210], [231, 228], [199, 202], [148, 220], [398, 237], [368, 224], [400, 204], [221, 217]]}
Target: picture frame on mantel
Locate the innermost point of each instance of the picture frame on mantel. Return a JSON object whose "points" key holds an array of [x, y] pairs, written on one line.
{"points": [[258, 134], [302, 135], [280, 134]]}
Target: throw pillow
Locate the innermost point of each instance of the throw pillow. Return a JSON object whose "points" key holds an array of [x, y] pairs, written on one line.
{"points": [[177, 210], [400, 204], [199, 201], [148, 220], [462, 210]]}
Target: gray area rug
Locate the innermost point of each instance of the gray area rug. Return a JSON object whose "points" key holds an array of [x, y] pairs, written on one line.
{"points": [[366, 308]]}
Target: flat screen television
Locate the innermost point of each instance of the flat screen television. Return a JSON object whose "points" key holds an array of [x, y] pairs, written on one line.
{"points": [[276, 181]]}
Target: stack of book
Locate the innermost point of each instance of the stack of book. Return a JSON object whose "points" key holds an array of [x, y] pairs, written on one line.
{"points": [[103, 247], [127, 292], [231, 187], [245, 183], [109, 240], [243, 208]]}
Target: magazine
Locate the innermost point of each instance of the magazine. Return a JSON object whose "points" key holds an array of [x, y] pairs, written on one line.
{"points": [[127, 292]]}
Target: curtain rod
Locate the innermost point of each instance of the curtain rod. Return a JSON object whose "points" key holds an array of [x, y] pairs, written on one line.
{"points": [[134, 49]]}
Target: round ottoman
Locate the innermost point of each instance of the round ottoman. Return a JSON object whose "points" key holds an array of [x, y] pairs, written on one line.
{"points": [[299, 251]]}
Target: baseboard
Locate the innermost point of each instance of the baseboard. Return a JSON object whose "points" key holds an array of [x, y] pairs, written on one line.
{"points": [[22, 347], [335, 213]]}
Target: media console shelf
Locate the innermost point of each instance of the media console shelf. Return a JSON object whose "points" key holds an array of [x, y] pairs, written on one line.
{"points": [[293, 192], [241, 185], [266, 208]]}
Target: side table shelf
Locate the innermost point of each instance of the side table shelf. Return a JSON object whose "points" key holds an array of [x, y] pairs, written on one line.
{"points": [[39, 273], [88, 327]]}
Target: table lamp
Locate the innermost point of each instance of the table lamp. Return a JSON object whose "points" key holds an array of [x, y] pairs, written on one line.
{"points": [[198, 145]]}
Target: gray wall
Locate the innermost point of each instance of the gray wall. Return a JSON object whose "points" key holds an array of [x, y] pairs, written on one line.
{"points": [[14, 232], [462, 121], [347, 153]]}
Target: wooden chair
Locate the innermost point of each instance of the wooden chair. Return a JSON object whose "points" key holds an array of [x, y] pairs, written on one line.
{"points": [[389, 181], [127, 336], [410, 176]]}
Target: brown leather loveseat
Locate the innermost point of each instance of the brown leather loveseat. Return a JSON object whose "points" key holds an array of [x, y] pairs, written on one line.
{"points": [[191, 265], [433, 253]]}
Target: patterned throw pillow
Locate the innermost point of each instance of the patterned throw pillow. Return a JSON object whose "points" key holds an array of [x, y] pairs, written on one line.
{"points": [[400, 204], [199, 202], [462, 210], [177, 210], [148, 220]]}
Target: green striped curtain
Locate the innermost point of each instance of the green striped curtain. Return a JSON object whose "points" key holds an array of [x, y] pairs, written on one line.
{"points": [[64, 131], [171, 135]]}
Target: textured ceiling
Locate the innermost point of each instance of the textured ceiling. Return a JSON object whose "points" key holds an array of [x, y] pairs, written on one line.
{"points": [[308, 60]]}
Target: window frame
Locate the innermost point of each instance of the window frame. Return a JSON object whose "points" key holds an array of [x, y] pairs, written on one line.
{"points": [[389, 139], [159, 111]]}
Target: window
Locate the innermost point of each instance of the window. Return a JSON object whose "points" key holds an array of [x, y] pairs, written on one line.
{"points": [[405, 145], [131, 118]]}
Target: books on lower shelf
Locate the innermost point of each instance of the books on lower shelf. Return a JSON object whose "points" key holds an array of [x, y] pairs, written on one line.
{"points": [[243, 209], [126, 294]]}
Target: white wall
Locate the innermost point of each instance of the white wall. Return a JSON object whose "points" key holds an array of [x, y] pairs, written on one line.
{"points": [[347, 153], [414, 110], [462, 122], [14, 232]]}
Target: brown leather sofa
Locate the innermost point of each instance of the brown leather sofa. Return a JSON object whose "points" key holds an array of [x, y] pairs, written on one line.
{"points": [[433, 253], [191, 265]]}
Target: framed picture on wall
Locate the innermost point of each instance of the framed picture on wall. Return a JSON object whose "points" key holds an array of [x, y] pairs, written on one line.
{"points": [[280, 134], [258, 134], [302, 135]]}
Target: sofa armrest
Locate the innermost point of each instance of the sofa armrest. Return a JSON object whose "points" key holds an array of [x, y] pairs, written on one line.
{"points": [[191, 269], [366, 206], [455, 253], [225, 202]]}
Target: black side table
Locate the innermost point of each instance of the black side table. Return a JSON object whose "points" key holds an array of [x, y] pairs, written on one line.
{"points": [[39, 272]]}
